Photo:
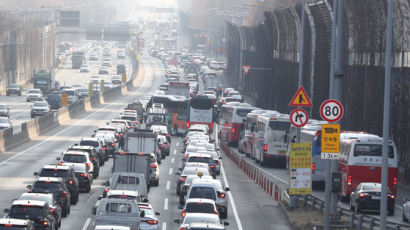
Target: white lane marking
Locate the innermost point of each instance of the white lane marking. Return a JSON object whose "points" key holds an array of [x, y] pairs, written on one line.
{"points": [[168, 185], [177, 144], [164, 226], [175, 151], [166, 204], [235, 212], [172, 160], [170, 171], [87, 222], [71, 126]]}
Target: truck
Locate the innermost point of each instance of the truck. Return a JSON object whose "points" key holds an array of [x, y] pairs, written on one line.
{"points": [[118, 212], [77, 59], [44, 80], [139, 156], [178, 88], [210, 80]]}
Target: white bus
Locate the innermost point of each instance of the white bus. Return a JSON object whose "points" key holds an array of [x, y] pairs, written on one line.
{"points": [[246, 142]]}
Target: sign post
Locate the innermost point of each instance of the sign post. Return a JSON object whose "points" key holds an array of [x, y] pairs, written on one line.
{"points": [[246, 68], [124, 78], [300, 166]]}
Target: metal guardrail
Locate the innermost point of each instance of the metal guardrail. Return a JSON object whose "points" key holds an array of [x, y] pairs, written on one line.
{"points": [[280, 192]]}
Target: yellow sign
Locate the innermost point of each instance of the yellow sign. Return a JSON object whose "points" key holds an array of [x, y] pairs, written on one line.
{"points": [[301, 98], [138, 56], [300, 168], [64, 99], [124, 78], [331, 138], [90, 89]]}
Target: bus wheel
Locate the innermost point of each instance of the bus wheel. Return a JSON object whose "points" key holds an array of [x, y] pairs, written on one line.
{"points": [[175, 130]]}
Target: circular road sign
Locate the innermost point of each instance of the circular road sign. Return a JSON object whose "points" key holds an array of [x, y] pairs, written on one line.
{"points": [[331, 110], [299, 117]]}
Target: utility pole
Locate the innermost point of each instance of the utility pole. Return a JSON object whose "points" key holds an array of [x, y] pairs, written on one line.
{"points": [[386, 116], [328, 196]]}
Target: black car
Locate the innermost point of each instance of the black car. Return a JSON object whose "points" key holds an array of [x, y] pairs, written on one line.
{"points": [[121, 69], [57, 187], [13, 89], [366, 197], [85, 179], [65, 172], [37, 211], [55, 209], [54, 100], [93, 156]]}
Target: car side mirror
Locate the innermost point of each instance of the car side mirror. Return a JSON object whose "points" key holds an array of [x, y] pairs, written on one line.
{"points": [[100, 197], [145, 200], [94, 210], [142, 214], [96, 130], [6, 210], [180, 207], [157, 213], [220, 158], [180, 169], [35, 173], [29, 187], [178, 173], [227, 189], [178, 221], [226, 223], [58, 158], [107, 183]]}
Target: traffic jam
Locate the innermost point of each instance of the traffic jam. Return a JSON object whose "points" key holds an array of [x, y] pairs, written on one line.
{"points": [[191, 110]]}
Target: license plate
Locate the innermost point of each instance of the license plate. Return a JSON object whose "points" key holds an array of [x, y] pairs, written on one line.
{"points": [[376, 197]]}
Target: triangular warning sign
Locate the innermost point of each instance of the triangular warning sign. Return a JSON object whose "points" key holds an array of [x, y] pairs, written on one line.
{"points": [[301, 98], [246, 68]]}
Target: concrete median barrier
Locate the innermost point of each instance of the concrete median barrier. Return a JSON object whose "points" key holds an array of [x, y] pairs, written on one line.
{"points": [[95, 100], [110, 94], [10, 140], [76, 108], [46, 122]]}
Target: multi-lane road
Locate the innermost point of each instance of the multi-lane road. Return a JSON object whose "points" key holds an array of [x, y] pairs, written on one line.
{"points": [[249, 207]]}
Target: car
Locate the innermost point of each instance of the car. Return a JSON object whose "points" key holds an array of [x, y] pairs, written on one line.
{"points": [[95, 79], [93, 57], [11, 223], [106, 64], [216, 158], [55, 209], [188, 181], [108, 85], [84, 69], [65, 172], [199, 218], [163, 146], [75, 158], [54, 100], [5, 123], [198, 205], [92, 153], [85, 179], [39, 108], [34, 210], [120, 54], [103, 70], [366, 197], [83, 93], [72, 95], [133, 118], [99, 145], [121, 69], [189, 171], [57, 187], [202, 158], [34, 95], [4, 111], [162, 130], [116, 79], [13, 89], [151, 220]]}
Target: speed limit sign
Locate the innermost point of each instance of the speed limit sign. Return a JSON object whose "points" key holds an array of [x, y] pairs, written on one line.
{"points": [[331, 110]]}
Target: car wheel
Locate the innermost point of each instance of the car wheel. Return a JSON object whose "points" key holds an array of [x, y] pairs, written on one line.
{"points": [[404, 217], [88, 190], [224, 215], [351, 205], [356, 208], [59, 223], [65, 212]]}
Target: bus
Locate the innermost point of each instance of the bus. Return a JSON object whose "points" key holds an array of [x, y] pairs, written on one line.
{"points": [[234, 117], [360, 161], [201, 111], [177, 112], [245, 144], [271, 139]]}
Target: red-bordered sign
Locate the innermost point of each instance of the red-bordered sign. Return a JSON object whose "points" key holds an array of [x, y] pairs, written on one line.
{"points": [[331, 110], [301, 98], [299, 117], [246, 68]]}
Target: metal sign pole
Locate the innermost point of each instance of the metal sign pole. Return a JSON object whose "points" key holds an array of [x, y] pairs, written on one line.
{"points": [[386, 116]]}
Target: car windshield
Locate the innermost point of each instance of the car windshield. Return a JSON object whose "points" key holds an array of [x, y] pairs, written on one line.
{"points": [[3, 107], [128, 118], [118, 208], [199, 207], [27, 212], [4, 120], [90, 143], [40, 104], [75, 158], [32, 196], [128, 180], [202, 192], [47, 185], [34, 91], [54, 173]]}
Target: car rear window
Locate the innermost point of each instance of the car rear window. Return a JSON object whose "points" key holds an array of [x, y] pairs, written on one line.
{"points": [[203, 192], [51, 186], [73, 158], [199, 207], [118, 208], [199, 159], [26, 212], [54, 173]]}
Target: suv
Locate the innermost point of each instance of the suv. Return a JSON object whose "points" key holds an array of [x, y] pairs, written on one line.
{"points": [[54, 100], [13, 88], [76, 159], [92, 153], [98, 144], [121, 69], [57, 187], [34, 210], [49, 198], [39, 108], [67, 173]]}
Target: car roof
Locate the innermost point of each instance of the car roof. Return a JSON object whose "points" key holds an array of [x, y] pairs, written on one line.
{"points": [[50, 179], [57, 167], [73, 152], [199, 200], [29, 202], [122, 192]]}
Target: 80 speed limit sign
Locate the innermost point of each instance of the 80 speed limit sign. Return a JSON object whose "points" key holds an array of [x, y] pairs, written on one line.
{"points": [[331, 110]]}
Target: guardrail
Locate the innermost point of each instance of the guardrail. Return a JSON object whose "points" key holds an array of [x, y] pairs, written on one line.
{"points": [[279, 191]]}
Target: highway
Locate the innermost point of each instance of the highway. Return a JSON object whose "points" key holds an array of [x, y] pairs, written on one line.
{"points": [[249, 207]]}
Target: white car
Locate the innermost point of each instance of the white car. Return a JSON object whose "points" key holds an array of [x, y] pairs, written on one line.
{"points": [[75, 158], [34, 95], [4, 123]]}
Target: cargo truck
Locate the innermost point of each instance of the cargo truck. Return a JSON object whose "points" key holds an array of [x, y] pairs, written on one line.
{"points": [[44, 80], [77, 59]]}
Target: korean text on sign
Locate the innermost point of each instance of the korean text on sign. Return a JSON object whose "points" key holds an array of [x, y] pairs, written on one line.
{"points": [[300, 174]]}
